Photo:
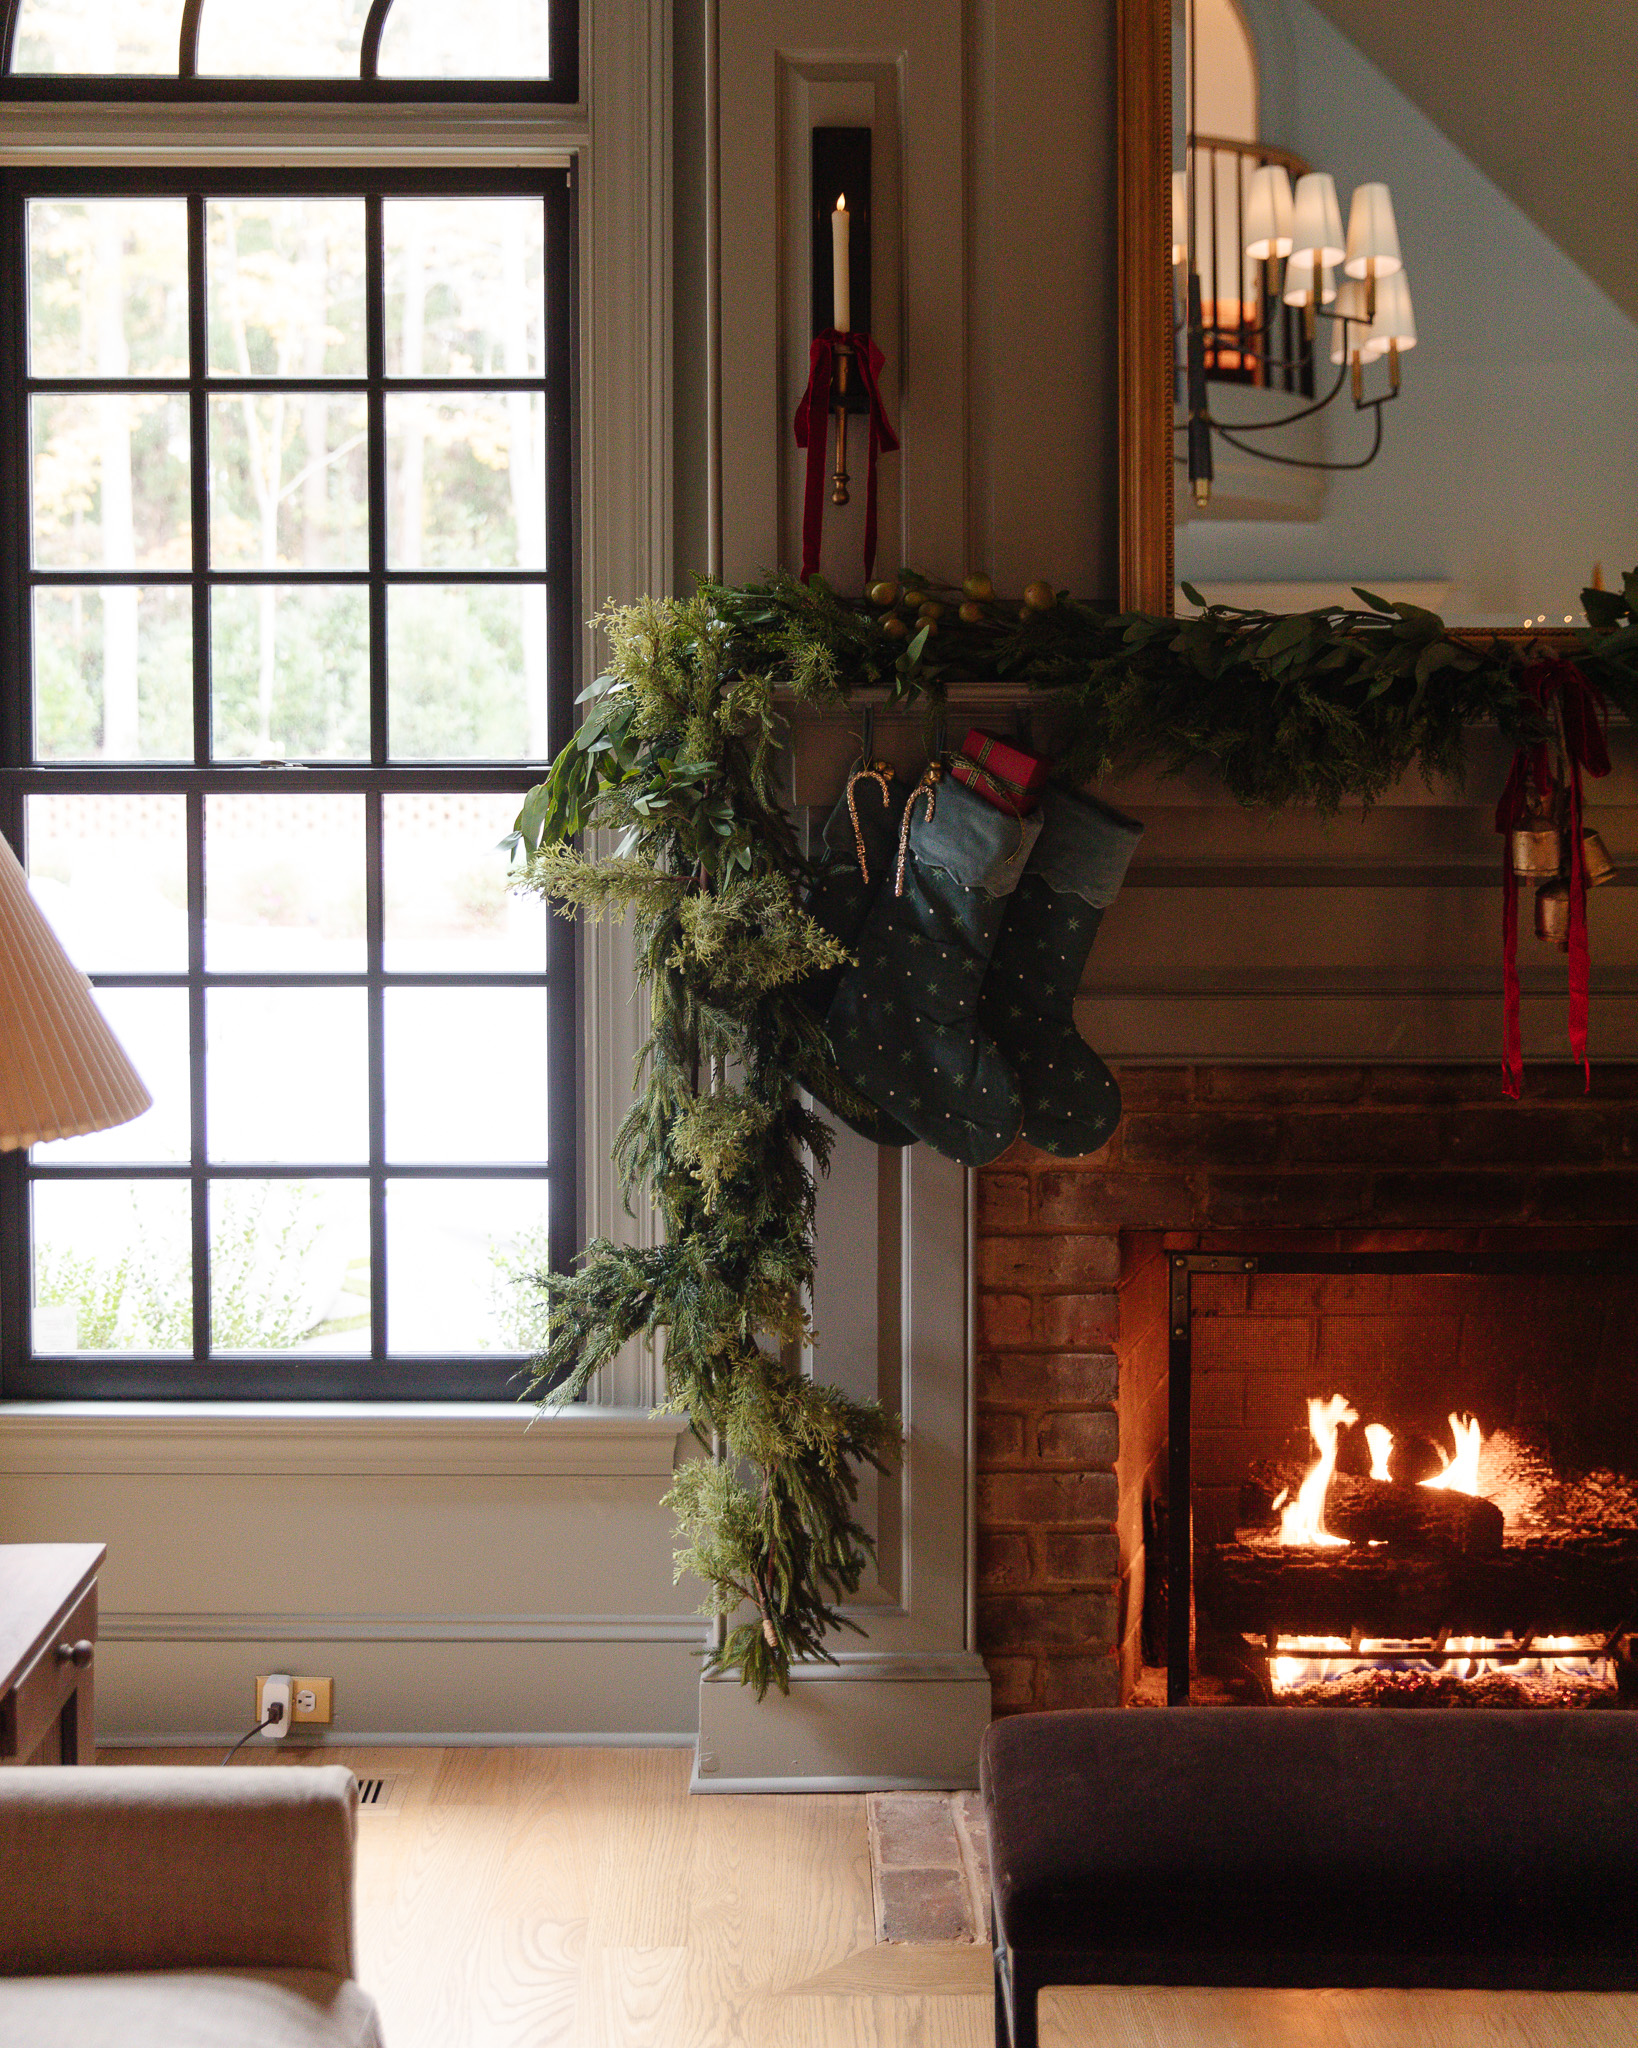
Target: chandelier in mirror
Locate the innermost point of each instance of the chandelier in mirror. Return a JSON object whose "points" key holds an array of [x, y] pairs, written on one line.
{"points": [[1269, 292]]}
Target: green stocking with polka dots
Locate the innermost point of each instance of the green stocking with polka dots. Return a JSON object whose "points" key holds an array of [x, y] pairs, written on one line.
{"points": [[904, 1023], [1070, 1101], [854, 860]]}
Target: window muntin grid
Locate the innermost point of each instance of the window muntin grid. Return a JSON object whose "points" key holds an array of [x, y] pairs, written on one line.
{"points": [[308, 49], [382, 941]]}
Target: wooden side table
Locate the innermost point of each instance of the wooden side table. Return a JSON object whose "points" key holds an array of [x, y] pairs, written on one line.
{"points": [[48, 1640]]}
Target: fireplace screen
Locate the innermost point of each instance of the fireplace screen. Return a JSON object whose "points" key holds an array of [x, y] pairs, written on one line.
{"points": [[1384, 1559]]}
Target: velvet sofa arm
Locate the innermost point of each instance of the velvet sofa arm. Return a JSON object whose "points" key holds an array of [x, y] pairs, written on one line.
{"points": [[190, 1867]]}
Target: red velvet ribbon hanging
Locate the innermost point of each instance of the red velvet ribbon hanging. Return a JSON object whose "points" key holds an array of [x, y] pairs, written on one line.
{"points": [[813, 434], [1585, 719]]}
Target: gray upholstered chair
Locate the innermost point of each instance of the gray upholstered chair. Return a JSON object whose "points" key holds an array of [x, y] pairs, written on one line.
{"points": [[145, 1907]]}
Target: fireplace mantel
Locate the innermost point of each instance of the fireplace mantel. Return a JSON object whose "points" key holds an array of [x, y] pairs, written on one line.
{"points": [[1245, 937]]}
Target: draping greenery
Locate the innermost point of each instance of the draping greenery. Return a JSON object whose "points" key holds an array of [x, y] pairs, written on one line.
{"points": [[676, 755]]}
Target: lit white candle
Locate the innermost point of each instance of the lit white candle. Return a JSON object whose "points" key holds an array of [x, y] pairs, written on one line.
{"points": [[842, 293]]}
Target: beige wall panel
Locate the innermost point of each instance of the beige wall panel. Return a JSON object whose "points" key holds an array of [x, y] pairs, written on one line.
{"points": [[785, 65], [1043, 299], [417, 1690], [350, 1545]]}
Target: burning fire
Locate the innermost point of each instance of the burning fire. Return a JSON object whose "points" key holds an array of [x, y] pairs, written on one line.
{"points": [[1461, 1473], [1310, 1660], [1303, 1520]]}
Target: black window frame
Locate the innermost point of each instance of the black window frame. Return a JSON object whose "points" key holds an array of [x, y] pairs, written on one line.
{"points": [[184, 85], [284, 1375]]}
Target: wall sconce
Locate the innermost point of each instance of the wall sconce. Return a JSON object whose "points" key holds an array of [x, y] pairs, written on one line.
{"points": [[840, 237], [844, 362]]}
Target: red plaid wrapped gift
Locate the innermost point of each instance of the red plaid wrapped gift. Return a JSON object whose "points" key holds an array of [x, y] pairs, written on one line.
{"points": [[1002, 774]]}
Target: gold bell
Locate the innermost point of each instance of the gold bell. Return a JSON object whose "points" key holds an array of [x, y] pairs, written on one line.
{"points": [[1595, 857], [1553, 914], [1538, 848]]}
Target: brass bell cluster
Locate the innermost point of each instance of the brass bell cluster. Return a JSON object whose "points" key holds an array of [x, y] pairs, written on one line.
{"points": [[1541, 853]]}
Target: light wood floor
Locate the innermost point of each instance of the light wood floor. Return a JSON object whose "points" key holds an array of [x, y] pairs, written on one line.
{"points": [[578, 1896]]}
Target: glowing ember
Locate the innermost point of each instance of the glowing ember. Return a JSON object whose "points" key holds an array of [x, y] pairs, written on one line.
{"points": [[1380, 1438], [1321, 1660], [1302, 1521], [1461, 1473]]}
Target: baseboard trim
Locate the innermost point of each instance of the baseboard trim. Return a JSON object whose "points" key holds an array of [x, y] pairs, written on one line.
{"points": [[939, 1782]]}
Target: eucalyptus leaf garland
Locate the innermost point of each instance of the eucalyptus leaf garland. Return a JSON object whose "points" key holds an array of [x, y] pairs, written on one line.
{"points": [[677, 754]]}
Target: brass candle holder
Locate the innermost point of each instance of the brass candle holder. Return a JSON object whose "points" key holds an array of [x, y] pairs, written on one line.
{"points": [[844, 354]]}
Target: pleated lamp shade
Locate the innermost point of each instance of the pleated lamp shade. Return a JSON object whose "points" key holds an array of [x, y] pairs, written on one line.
{"points": [[62, 1071]]}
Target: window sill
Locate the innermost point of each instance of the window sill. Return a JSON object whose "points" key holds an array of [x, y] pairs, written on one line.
{"points": [[488, 1440]]}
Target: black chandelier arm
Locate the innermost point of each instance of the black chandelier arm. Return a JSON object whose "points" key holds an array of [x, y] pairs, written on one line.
{"points": [[1374, 405], [1306, 413]]}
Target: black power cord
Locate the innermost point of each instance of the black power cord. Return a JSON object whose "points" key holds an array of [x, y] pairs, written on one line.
{"points": [[275, 1716]]}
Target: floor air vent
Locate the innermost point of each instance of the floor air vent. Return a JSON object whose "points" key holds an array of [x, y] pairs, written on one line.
{"points": [[382, 1795]]}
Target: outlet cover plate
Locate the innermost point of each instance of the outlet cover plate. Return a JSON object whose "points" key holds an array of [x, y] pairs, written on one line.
{"points": [[319, 1711]]}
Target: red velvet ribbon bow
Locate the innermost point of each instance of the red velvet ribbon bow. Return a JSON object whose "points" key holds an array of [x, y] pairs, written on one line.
{"points": [[812, 433], [1585, 720]]}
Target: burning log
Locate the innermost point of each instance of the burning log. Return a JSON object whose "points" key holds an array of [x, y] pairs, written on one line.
{"points": [[1378, 1511], [1412, 1457], [1568, 1586]]}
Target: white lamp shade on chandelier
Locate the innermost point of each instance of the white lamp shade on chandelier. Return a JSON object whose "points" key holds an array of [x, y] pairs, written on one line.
{"points": [[62, 1071], [1348, 322], [1395, 318], [1268, 213], [1316, 220], [1299, 281], [1180, 217], [1373, 234]]}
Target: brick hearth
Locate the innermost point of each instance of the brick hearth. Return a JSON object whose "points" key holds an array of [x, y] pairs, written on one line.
{"points": [[1071, 1293]]}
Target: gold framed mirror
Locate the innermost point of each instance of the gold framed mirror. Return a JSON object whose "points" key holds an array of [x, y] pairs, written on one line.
{"points": [[1501, 480]]}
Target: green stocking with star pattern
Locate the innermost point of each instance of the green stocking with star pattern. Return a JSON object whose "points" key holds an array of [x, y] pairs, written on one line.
{"points": [[904, 1023], [1070, 1101]]}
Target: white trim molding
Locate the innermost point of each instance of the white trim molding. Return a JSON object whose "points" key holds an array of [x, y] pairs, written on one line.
{"points": [[271, 1439], [402, 1628], [627, 496], [110, 135]]}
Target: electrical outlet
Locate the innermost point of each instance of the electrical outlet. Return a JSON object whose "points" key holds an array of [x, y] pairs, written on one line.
{"points": [[312, 1700]]}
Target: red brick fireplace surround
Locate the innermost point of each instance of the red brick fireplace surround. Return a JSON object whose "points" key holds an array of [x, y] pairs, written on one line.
{"points": [[1072, 1382]]}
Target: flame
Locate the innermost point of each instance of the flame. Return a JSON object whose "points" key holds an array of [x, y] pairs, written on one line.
{"points": [[1461, 1473], [1333, 1657], [1380, 1438], [1303, 1519], [841, 202]]}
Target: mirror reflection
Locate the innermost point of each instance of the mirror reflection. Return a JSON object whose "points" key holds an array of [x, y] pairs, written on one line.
{"points": [[1386, 371]]}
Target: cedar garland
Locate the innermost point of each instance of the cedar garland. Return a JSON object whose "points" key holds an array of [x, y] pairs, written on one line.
{"points": [[676, 754]]}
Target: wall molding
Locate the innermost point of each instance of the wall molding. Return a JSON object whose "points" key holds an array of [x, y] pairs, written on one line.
{"points": [[402, 1628], [422, 137], [259, 1440], [870, 1667], [436, 1738]]}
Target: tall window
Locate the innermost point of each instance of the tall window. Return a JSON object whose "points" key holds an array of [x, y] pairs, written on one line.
{"points": [[298, 49], [288, 615]]}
